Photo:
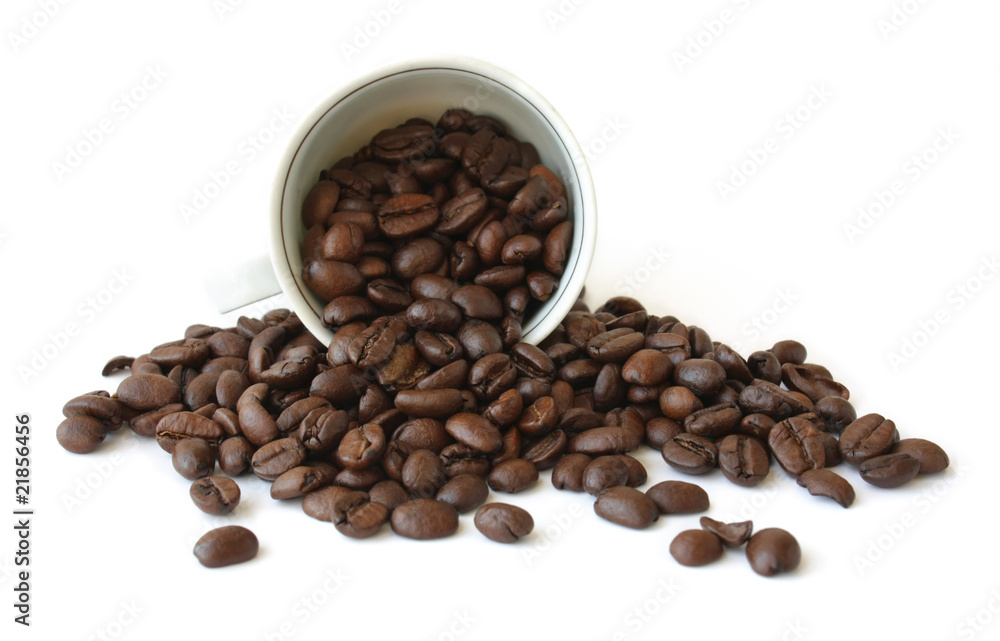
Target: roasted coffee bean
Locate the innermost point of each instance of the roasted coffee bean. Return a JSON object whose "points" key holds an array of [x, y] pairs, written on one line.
{"points": [[797, 446], [235, 455], [319, 504], [889, 470], [180, 426], [604, 472], [389, 493], [615, 346], [773, 551], [931, 457], [491, 376], [690, 454], [606, 440], [144, 392], [357, 516], [702, 376], [696, 547], [758, 426], [418, 256], [789, 351], [434, 314], [647, 367], [478, 302], [736, 368], [503, 523], [277, 457], [464, 492], [743, 460], [715, 421], [347, 309], [869, 436], [108, 410], [532, 361], [732, 535], [568, 472], [423, 473], [117, 363], [660, 430], [215, 495], [424, 519], [193, 458], [475, 431], [505, 409], [829, 484], [423, 434], [361, 447], [81, 434], [545, 451], [765, 365], [407, 215], [626, 506], [678, 497], [435, 403], [227, 545], [513, 476], [678, 403], [836, 412], [301, 480], [802, 379], [330, 279], [362, 479]]}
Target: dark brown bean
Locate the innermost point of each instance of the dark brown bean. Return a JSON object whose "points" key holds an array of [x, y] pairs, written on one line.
{"points": [[732, 535], [424, 519], [503, 523], [889, 470], [678, 497], [513, 476], [696, 547], [828, 483], [626, 506], [869, 436], [215, 495], [355, 515], [690, 454], [931, 457], [227, 545], [773, 551]]}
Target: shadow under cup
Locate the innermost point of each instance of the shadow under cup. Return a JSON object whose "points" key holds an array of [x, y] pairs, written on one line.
{"points": [[348, 121]]}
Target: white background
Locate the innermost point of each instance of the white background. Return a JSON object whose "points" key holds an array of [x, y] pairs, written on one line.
{"points": [[113, 531]]}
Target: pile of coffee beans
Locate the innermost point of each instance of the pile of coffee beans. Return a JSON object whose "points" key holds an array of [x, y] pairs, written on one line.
{"points": [[460, 214], [430, 244]]}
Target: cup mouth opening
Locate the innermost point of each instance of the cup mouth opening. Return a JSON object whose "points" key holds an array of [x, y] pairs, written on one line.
{"points": [[572, 168]]}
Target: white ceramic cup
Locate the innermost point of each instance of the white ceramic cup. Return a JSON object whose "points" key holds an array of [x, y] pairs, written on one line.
{"points": [[348, 119]]}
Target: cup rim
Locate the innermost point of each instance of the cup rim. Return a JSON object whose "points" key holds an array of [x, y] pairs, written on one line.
{"points": [[586, 211]]}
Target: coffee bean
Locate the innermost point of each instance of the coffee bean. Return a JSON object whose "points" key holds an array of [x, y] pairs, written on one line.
{"points": [[797, 446], [789, 351], [193, 458], [615, 346], [828, 483], [355, 515], [678, 403], [180, 426], [389, 493], [464, 492], [702, 376], [889, 470], [732, 535], [690, 454], [626, 506], [319, 504], [503, 523], [695, 548], [424, 519], [361, 447], [568, 472], [773, 551], [803, 379], [227, 545], [81, 434], [713, 422], [678, 497], [743, 460], [513, 476], [143, 392], [836, 412], [647, 367], [423, 473], [216, 495], [277, 457], [931, 457], [301, 480], [475, 431], [869, 436], [407, 215], [604, 472]]}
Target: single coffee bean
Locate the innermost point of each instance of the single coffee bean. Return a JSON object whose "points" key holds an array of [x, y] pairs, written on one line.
{"points": [[677, 403], [144, 392], [355, 515], [389, 493], [690, 454], [227, 545], [407, 215], [615, 346], [423, 473], [696, 547], [626, 506], [714, 421], [215, 495], [773, 551], [678, 497], [889, 470], [277, 457], [702, 376], [799, 378], [464, 492], [869, 436], [424, 519], [513, 476], [828, 483], [743, 460], [797, 446], [836, 412], [931, 457], [475, 431], [193, 458], [319, 504], [301, 480], [789, 351], [568, 472], [606, 440], [758, 426], [732, 535], [604, 472], [81, 434], [503, 523]]}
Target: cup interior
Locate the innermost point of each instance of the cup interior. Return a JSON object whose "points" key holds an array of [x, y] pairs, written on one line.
{"points": [[347, 121]]}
